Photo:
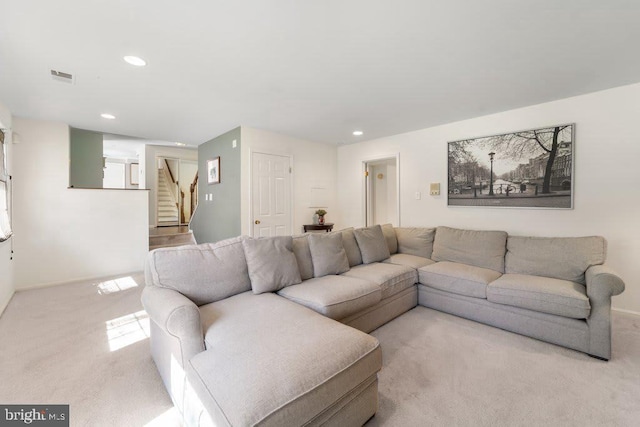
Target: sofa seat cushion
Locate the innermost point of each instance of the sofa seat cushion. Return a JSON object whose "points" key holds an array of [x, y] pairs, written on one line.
{"points": [[334, 296], [543, 294], [273, 362], [412, 261], [458, 278], [391, 278]]}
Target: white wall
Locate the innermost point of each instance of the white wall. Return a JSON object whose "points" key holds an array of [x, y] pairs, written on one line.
{"points": [[149, 171], [314, 166], [7, 286], [62, 234], [607, 176]]}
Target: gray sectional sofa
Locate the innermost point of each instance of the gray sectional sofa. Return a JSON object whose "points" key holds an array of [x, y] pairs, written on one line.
{"points": [[273, 331]]}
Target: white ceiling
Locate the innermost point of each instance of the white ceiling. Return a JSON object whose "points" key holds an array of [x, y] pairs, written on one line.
{"points": [[312, 69]]}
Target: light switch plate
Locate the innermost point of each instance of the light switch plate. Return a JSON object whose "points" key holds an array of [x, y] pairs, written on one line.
{"points": [[434, 189], [418, 195]]}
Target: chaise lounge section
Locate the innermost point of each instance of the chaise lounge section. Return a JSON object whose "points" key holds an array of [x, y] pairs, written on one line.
{"points": [[272, 331]]}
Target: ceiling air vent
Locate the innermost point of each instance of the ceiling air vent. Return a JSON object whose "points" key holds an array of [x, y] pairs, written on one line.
{"points": [[61, 76]]}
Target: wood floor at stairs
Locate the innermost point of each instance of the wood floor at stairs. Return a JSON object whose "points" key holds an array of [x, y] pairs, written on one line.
{"points": [[164, 237]]}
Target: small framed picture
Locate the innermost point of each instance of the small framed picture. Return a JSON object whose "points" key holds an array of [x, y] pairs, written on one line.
{"points": [[213, 171]]}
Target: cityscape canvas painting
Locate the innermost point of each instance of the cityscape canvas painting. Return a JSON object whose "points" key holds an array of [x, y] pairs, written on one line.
{"points": [[526, 169]]}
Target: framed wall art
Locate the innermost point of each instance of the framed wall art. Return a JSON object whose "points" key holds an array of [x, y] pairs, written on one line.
{"points": [[525, 169], [213, 171]]}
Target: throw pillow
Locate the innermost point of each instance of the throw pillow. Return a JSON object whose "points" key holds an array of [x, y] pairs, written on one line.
{"points": [[390, 237], [271, 263], [351, 247], [328, 254], [303, 256], [372, 244]]}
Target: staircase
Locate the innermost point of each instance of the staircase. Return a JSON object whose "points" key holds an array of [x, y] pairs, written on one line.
{"points": [[165, 237], [167, 208]]}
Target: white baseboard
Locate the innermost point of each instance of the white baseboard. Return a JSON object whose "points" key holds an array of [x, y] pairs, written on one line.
{"points": [[4, 304], [625, 311], [74, 281]]}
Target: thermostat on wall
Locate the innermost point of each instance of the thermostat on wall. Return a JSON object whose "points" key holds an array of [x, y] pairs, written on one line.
{"points": [[434, 189]]}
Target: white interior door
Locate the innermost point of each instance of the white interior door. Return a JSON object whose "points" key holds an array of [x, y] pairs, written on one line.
{"points": [[271, 194]]}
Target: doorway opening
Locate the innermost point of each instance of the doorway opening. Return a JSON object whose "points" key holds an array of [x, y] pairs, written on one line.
{"points": [[177, 191], [381, 191]]}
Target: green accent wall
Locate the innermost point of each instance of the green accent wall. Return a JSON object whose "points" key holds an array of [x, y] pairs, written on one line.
{"points": [[85, 159], [219, 218]]}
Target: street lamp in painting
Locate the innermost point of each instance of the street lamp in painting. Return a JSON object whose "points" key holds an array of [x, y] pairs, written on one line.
{"points": [[491, 154]]}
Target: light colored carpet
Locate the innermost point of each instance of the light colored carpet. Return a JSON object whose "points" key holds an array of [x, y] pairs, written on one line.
{"points": [[440, 370], [56, 348], [85, 344]]}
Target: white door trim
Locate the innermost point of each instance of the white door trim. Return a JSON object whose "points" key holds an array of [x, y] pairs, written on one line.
{"points": [[251, 190], [365, 188]]}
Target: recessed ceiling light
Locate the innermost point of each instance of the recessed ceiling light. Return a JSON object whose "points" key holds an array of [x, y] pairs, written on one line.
{"points": [[107, 116], [357, 132], [180, 144], [135, 60]]}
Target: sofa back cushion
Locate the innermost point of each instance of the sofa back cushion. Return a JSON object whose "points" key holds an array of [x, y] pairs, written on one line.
{"points": [[485, 249], [303, 256], [328, 254], [204, 273], [372, 244], [565, 258], [416, 241], [390, 236], [351, 247], [271, 263]]}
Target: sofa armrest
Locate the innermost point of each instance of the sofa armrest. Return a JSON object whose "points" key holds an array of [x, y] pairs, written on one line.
{"points": [[176, 315], [602, 283]]}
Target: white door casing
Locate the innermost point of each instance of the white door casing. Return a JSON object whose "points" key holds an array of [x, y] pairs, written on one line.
{"points": [[270, 195]]}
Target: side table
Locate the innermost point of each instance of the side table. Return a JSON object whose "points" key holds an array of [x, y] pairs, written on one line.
{"points": [[312, 227]]}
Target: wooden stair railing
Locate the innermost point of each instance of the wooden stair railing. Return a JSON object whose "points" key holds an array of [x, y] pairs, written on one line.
{"points": [[194, 194], [182, 218]]}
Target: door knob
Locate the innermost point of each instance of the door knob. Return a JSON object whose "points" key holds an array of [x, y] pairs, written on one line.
{"points": [[257, 222]]}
